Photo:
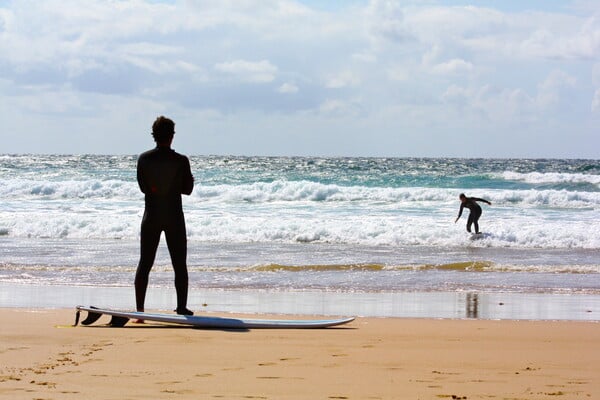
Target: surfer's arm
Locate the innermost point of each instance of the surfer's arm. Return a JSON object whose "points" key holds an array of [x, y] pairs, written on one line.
{"points": [[140, 178], [188, 178], [482, 200], [459, 213]]}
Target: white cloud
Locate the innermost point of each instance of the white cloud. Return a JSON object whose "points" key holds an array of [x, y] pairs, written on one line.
{"points": [[596, 102], [342, 79], [499, 105], [596, 74], [364, 57], [549, 91], [565, 43], [237, 57], [340, 108], [457, 95], [454, 66], [387, 20], [45, 102], [288, 88], [557, 36], [531, 34], [249, 71], [399, 73]]}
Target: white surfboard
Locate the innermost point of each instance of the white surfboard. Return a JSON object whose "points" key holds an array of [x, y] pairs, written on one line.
{"points": [[120, 318], [477, 236]]}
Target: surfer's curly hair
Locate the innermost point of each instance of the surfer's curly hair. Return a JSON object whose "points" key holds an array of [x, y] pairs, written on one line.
{"points": [[163, 129]]}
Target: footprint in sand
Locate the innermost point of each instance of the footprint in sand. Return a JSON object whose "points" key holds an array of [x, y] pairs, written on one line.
{"points": [[266, 364]]}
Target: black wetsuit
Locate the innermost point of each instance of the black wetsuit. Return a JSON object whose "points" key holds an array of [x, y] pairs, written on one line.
{"points": [[474, 214], [163, 175]]}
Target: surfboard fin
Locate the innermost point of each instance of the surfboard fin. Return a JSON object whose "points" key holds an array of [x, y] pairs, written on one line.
{"points": [[118, 322], [95, 316], [91, 318], [77, 314]]}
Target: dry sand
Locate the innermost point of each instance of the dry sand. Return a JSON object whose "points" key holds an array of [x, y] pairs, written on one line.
{"points": [[41, 357]]}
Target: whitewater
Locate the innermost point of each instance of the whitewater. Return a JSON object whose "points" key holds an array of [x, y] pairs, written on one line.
{"points": [[310, 223]]}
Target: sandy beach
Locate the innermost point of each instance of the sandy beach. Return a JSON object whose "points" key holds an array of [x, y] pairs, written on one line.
{"points": [[43, 357]]}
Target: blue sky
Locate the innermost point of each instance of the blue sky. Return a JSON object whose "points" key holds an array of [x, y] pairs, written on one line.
{"points": [[282, 77]]}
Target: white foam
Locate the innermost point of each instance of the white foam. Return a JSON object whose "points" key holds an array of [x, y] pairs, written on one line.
{"points": [[304, 211], [551, 177], [71, 189]]}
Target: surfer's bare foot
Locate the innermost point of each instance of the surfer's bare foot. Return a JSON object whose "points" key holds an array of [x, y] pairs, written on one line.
{"points": [[184, 311], [139, 320]]}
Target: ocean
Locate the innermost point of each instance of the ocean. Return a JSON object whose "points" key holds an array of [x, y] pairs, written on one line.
{"points": [[345, 228]]}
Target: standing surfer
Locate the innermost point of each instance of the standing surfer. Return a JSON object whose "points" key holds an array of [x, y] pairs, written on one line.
{"points": [[163, 176], [474, 210]]}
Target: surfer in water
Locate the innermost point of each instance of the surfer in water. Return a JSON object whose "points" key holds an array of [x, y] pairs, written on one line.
{"points": [[163, 176], [474, 210]]}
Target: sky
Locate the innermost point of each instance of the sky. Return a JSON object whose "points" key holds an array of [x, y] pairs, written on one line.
{"points": [[379, 78]]}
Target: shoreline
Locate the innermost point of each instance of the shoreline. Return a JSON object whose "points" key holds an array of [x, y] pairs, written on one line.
{"points": [[437, 305], [370, 358]]}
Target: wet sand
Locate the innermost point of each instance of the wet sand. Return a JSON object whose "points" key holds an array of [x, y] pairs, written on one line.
{"points": [[447, 305], [43, 357]]}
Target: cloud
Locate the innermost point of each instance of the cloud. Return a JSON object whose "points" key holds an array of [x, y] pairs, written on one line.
{"points": [[596, 74], [596, 102], [550, 90], [249, 71], [453, 67], [565, 37], [529, 34], [342, 79], [492, 104], [340, 108], [387, 21], [288, 88], [400, 72], [286, 59]]}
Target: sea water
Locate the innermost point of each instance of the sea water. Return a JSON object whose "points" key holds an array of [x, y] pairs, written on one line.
{"points": [[319, 225]]}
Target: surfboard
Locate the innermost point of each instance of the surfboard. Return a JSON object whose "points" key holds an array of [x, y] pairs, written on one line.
{"points": [[476, 236], [120, 318]]}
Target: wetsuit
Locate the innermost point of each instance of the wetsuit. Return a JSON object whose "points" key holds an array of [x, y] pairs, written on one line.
{"points": [[474, 214], [163, 175]]}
